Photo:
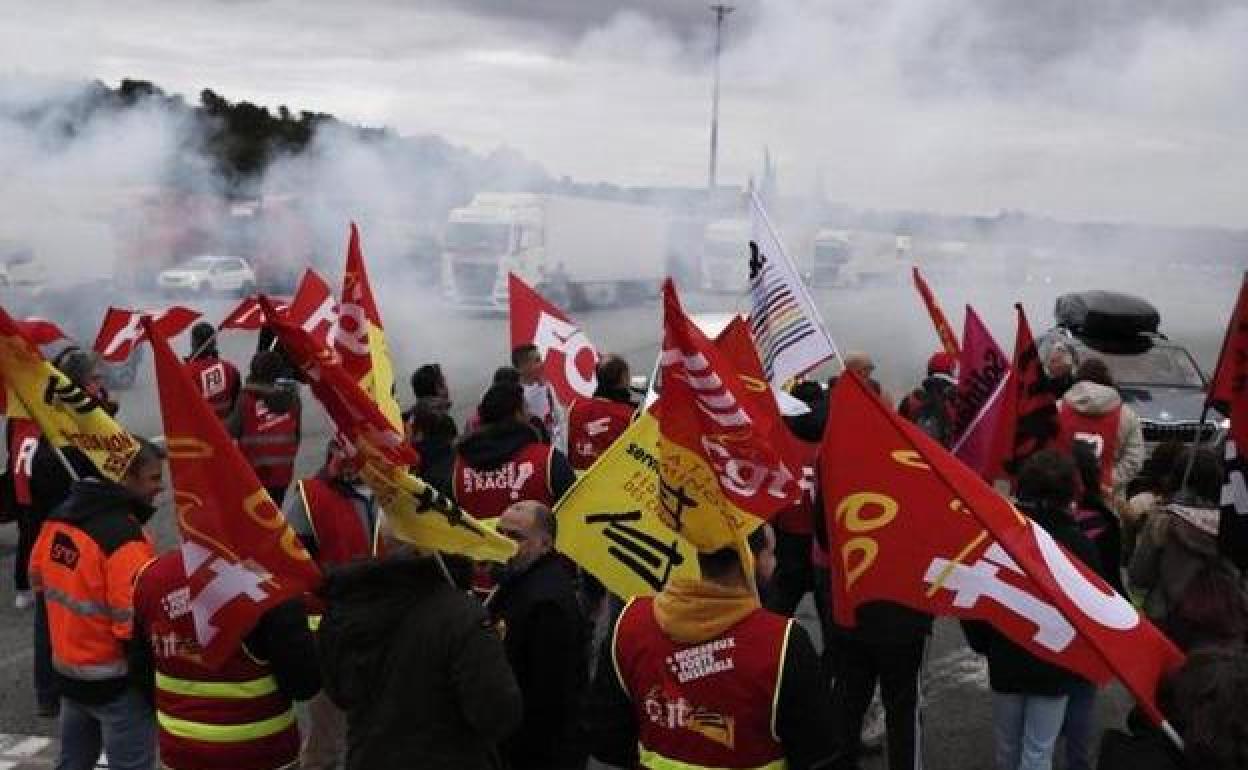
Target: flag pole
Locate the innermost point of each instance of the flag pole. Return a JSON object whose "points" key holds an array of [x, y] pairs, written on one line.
{"points": [[1173, 735]]}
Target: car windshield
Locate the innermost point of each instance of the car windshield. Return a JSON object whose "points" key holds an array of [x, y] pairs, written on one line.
{"points": [[476, 236], [1158, 366], [201, 263]]}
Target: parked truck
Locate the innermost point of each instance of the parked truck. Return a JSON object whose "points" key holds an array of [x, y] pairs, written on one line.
{"points": [[577, 252], [832, 252]]}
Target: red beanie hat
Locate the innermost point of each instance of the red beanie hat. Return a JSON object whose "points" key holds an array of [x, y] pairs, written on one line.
{"points": [[942, 363]]}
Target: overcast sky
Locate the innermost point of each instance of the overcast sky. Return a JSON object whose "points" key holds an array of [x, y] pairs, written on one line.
{"points": [[1084, 109]]}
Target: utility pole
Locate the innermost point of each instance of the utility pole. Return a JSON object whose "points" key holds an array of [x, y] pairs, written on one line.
{"points": [[720, 12]]}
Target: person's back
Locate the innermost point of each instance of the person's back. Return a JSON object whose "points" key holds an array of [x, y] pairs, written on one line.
{"points": [[414, 664]]}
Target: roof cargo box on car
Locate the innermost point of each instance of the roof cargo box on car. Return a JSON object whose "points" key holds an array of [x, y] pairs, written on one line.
{"points": [[1106, 314]]}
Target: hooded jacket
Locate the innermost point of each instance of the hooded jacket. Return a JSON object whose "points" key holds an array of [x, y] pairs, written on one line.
{"points": [[1093, 400], [1172, 548], [417, 668], [491, 446]]}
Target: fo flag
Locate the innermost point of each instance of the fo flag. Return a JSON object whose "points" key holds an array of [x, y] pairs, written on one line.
{"points": [[359, 337], [721, 472], [240, 555], [571, 360], [983, 372], [1029, 414], [1229, 391], [787, 329], [313, 309], [948, 340], [908, 523], [123, 329]]}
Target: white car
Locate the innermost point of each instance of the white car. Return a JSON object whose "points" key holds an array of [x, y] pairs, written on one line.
{"points": [[202, 275]]}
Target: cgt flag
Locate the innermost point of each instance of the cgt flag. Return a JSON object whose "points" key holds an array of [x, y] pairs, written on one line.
{"points": [[67, 414], [122, 330], [1229, 391], [908, 523], [359, 337], [948, 340], [571, 360], [1029, 412], [721, 470], [609, 522], [983, 374], [240, 555]]}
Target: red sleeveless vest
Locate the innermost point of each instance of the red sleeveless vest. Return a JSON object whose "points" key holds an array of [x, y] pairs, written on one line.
{"points": [[1099, 431], [707, 705], [269, 441], [593, 425], [234, 718], [217, 382], [342, 532], [487, 493], [23, 440]]}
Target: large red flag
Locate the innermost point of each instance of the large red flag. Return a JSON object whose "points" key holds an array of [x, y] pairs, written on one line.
{"points": [[313, 308], [908, 523], [718, 452], [948, 339], [571, 360], [123, 329], [1029, 412], [1229, 391], [737, 345], [359, 337], [350, 408], [241, 556]]}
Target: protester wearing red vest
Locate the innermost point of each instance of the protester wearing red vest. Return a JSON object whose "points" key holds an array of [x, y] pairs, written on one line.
{"points": [[700, 676], [218, 380], [267, 422], [236, 717], [595, 423], [336, 517], [1092, 411]]}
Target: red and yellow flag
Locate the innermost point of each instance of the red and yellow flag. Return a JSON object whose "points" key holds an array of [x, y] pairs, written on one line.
{"points": [[359, 337], [241, 556], [948, 338]]}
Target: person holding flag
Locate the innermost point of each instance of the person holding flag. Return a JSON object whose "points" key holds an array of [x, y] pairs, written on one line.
{"points": [[268, 423], [595, 423], [217, 380], [84, 564]]}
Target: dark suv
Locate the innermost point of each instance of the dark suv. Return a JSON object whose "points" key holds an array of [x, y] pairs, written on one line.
{"points": [[1157, 378]]}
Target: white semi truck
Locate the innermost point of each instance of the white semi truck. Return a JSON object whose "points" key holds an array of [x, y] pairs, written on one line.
{"points": [[725, 256], [577, 252]]}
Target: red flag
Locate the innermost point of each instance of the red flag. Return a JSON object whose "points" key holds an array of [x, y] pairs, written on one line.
{"points": [[40, 331], [314, 308], [1229, 392], [359, 337], [717, 450], [571, 360], [122, 329], [356, 415], [737, 345], [248, 316], [241, 556], [1029, 412], [908, 523], [983, 377], [948, 340]]}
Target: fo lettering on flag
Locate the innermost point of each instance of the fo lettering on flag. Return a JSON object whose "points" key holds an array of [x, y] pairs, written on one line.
{"points": [[240, 555], [909, 524], [571, 360], [786, 325], [359, 337]]}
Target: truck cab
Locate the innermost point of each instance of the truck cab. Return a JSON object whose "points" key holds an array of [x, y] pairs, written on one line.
{"points": [[725, 256], [833, 250]]}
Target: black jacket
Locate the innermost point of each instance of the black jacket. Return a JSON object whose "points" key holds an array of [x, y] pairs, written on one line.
{"points": [[803, 710], [493, 445], [417, 668], [547, 645], [1011, 668]]}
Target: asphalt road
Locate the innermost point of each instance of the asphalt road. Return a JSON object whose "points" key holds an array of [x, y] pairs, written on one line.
{"points": [[888, 321]]}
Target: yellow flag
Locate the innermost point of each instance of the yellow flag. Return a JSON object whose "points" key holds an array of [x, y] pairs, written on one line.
{"points": [[609, 522], [67, 415], [379, 382], [419, 515]]}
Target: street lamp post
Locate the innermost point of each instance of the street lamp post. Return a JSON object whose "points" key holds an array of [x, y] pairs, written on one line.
{"points": [[720, 12]]}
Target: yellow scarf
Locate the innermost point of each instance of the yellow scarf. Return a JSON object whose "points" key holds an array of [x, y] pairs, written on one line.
{"points": [[692, 611]]}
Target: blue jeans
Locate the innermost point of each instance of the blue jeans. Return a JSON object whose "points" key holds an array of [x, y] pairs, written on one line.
{"points": [[1079, 725], [1026, 729], [125, 728]]}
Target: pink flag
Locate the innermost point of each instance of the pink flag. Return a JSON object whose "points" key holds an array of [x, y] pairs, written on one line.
{"points": [[982, 373]]}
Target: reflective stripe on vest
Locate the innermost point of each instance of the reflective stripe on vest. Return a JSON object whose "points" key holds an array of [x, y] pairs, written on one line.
{"points": [[652, 760], [255, 688], [87, 609], [91, 672], [314, 622], [210, 733]]}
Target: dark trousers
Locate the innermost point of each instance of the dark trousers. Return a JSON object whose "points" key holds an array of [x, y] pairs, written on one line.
{"points": [[793, 577], [45, 681], [896, 667], [827, 632], [27, 533]]}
